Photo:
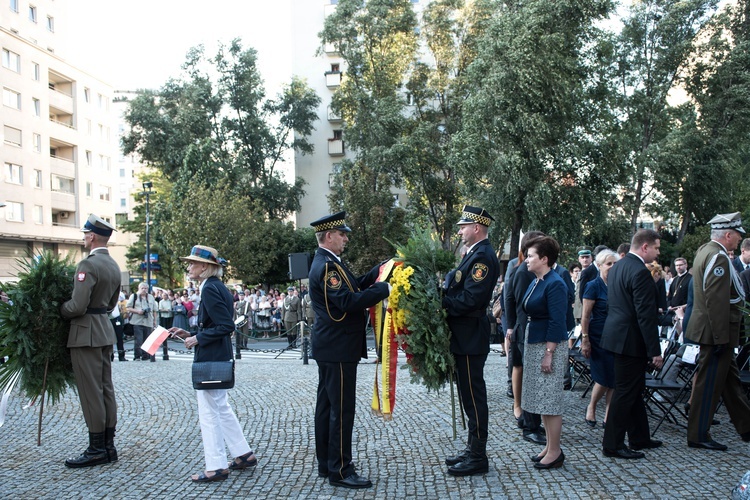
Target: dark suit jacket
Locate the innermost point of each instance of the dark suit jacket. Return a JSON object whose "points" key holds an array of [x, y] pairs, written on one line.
{"points": [[738, 265], [570, 321], [339, 300], [466, 299], [631, 325], [215, 322], [678, 290], [515, 288], [588, 274]]}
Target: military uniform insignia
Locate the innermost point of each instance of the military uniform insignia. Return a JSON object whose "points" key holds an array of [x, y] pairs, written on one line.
{"points": [[333, 280], [81, 276], [479, 272], [718, 272], [458, 276]]}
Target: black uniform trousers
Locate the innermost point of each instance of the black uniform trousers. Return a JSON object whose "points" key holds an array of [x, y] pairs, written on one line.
{"points": [[717, 377], [473, 392], [627, 411], [334, 418], [119, 334]]}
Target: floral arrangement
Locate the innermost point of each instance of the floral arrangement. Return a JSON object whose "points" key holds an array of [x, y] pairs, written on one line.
{"points": [[415, 304], [33, 334]]}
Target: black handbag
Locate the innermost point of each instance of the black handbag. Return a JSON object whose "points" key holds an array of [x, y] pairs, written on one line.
{"points": [[213, 375]]}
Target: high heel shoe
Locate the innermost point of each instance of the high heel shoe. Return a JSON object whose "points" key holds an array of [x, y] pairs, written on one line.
{"points": [[591, 423], [245, 461], [219, 475], [536, 458], [558, 462]]}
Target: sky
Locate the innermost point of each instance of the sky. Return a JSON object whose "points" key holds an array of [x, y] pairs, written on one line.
{"points": [[138, 44]]}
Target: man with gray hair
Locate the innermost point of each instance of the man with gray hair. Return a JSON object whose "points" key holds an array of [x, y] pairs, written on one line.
{"points": [[715, 325]]}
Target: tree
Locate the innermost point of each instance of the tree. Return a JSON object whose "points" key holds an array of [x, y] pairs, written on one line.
{"points": [[199, 131]]}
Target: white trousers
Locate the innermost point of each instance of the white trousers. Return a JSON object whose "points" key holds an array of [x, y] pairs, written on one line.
{"points": [[219, 425]]}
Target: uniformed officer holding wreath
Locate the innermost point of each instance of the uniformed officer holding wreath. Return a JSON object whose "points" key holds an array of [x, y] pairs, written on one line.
{"points": [[96, 290], [339, 300], [467, 296]]}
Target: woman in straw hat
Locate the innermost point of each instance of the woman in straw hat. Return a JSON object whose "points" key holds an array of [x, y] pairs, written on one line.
{"points": [[212, 342]]}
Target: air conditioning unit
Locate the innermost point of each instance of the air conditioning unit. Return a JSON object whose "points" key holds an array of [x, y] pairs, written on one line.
{"points": [[64, 215]]}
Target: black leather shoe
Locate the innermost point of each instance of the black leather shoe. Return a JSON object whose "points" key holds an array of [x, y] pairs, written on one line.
{"points": [[352, 481], [472, 465], [558, 462], [707, 445], [745, 436], [536, 458], [451, 461], [567, 387], [509, 392], [535, 437], [650, 444], [95, 454], [623, 453]]}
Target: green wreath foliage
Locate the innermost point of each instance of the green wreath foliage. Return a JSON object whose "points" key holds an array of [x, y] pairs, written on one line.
{"points": [[33, 334], [427, 345]]}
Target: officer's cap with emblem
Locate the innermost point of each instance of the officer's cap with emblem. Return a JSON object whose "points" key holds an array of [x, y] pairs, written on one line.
{"points": [[475, 215], [728, 221], [99, 226], [200, 253], [334, 221]]}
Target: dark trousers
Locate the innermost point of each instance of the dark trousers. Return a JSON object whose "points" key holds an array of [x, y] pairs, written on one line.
{"points": [[119, 334], [140, 333], [92, 367], [334, 418], [717, 377], [473, 392], [627, 411]]}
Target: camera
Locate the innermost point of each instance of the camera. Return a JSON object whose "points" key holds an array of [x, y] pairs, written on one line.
{"points": [[146, 311]]}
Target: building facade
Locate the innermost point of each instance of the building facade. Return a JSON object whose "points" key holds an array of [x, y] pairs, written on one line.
{"points": [[59, 145]]}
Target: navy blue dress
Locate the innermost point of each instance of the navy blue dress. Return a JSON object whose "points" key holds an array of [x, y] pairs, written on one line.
{"points": [[602, 360]]}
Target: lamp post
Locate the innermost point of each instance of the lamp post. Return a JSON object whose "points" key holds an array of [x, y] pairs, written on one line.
{"points": [[147, 192]]}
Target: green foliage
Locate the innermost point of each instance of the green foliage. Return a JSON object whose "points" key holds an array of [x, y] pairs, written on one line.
{"points": [[33, 334], [427, 345]]}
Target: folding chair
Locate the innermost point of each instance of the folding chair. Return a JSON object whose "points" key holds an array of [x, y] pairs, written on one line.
{"points": [[580, 364], [667, 387]]}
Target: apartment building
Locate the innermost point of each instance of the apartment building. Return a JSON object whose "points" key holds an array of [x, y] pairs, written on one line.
{"points": [[58, 142]]}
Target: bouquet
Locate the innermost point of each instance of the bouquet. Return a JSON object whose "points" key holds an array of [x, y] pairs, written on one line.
{"points": [[33, 334]]}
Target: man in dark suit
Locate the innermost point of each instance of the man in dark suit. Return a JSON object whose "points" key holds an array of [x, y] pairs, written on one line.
{"points": [[96, 290], [467, 295], [631, 332], [742, 262], [339, 300], [715, 325]]}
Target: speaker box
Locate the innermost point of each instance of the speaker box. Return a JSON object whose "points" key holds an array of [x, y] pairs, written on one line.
{"points": [[299, 265]]}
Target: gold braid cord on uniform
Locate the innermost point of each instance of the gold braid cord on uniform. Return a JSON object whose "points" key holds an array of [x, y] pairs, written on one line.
{"points": [[325, 289]]}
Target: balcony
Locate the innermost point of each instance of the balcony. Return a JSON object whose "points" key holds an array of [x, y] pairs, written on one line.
{"points": [[330, 49], [64, 218], [61, 117], [336, 147], [62, 166], [60, 83], [61, 100], [62, 202], [333, 117], [333, 79]]}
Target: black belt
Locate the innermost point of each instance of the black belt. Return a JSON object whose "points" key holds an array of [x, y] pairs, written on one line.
{"points": [[96, 310]]}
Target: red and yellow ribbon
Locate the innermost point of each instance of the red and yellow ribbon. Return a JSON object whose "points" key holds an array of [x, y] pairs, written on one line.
{"points": [[385, 340]]}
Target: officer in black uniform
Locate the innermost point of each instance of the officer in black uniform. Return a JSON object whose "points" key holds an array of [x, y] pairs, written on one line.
{"points": [[339, 300], [466, 299]]}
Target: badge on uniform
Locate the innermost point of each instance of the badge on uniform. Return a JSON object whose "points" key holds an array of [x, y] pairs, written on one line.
{"points": [[718, 272], [458, 276], [333, 280], [81, 277], [479, 272]]}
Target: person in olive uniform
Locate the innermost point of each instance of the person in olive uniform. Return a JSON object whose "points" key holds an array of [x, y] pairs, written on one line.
{"points": [[715, 325], [339, 300], [467, 295], [96, 290]]}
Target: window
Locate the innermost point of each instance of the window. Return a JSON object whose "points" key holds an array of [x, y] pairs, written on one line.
{"points": [[104, 193], [51, 24], [123, 202], [63, 184], [11, 60], [88, 126], [14, 5], [88, 158], [101, 131], [14, 211], [38, 179], [32, 13], [87, 95], [13, 173], [89, 189], [37, 73], [37, 143], [37, 107], [337, 135], [38, 214], [122, 172], [11, 98], [12, 136], [100, 98]]}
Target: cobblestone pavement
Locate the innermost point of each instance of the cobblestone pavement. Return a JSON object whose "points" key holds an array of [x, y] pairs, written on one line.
{"points": [[159, 445]]}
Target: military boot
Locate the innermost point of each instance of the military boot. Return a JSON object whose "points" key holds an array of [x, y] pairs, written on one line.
{"points": [[475, 463], [451, 461], [109, 444], [95, 454]]}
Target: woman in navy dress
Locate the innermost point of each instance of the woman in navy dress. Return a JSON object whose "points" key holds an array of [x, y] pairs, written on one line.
{"points": [[546, 348], [592, 324]]}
